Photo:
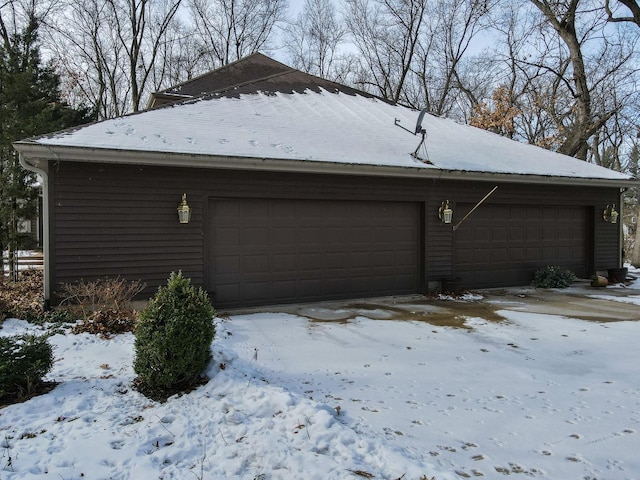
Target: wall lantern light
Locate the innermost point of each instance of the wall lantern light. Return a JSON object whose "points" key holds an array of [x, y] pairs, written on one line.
{"points": [[445, 213], [610, 214], [184, 212]]}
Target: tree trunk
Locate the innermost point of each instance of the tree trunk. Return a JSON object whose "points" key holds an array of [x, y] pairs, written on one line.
{"points": [[2, 263], [564, 24]]}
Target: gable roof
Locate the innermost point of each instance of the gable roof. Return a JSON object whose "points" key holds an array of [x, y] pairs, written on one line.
{"points": [[298, 123]]}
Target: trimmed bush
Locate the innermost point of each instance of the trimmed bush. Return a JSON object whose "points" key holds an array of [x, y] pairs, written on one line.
{"points": [[24, 361], [553, 277], [23, 299], [173, 338], [104, 306]]}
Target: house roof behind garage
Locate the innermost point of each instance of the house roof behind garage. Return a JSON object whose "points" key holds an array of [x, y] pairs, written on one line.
{"points": [[288, 120], [255, 73]]}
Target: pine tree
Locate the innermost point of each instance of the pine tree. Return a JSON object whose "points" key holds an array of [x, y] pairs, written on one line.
{"points": [[30, 105]]}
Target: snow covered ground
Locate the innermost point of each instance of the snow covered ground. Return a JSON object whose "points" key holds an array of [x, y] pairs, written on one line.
{"points": [[531, 396], [27, 259]]}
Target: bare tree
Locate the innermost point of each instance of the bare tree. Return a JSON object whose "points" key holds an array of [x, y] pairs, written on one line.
{"points": [[584, 121], [530, 69], [108, 50], [12, 15], [141, 27], [180, 57], [443, 56], [386, 34], [231, 29], [90, 58], [632, 5], [568, 73], [632, 209], [314, 38], [16, 14], [419, 52]]}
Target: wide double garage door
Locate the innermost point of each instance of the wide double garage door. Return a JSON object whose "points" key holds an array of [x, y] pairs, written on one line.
{"points": [[268, 251], [505, 245]]}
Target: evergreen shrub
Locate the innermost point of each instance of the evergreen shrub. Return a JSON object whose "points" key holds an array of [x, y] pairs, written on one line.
{"points": [[173, 338], [24, 361], [553, 277]]}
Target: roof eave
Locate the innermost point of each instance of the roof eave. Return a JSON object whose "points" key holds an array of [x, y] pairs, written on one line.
{"points": [[36, 151], [162, 98]]}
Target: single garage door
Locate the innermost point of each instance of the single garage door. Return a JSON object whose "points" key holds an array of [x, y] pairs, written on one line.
{"points": [[505, 245], [267, 251]]}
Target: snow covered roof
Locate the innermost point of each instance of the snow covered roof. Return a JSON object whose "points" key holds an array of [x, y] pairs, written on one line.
{"points": [[314, 131]]}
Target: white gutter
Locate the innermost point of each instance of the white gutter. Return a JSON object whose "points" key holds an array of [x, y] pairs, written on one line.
{"points": [[31, 149], [34, 165]]}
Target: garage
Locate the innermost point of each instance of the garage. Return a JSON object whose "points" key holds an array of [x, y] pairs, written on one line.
{"points": [[283, 250], [504, 245], [302, 189]]}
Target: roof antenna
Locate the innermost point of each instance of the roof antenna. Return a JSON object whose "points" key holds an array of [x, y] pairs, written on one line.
{"points": [[455, 227], [416, 131]]}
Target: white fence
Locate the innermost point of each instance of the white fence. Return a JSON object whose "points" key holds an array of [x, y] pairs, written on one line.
{"points": [[25, 259]]}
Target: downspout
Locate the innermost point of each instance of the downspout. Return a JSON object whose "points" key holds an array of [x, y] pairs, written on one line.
{"points": [[44, 176], [621, 227]]}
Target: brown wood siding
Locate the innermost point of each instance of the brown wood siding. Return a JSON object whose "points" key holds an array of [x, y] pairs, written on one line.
{"points": [[439, 242], [606, 237], [110, 220]]}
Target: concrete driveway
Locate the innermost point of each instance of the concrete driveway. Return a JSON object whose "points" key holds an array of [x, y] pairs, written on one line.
{"points": [[581, 301]]}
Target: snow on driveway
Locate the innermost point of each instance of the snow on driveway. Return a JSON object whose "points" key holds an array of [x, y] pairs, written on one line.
{"points": [[539, 395]]}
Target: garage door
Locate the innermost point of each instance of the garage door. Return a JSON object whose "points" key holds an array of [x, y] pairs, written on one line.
{"points": [[267, 251], [505, 245]]}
